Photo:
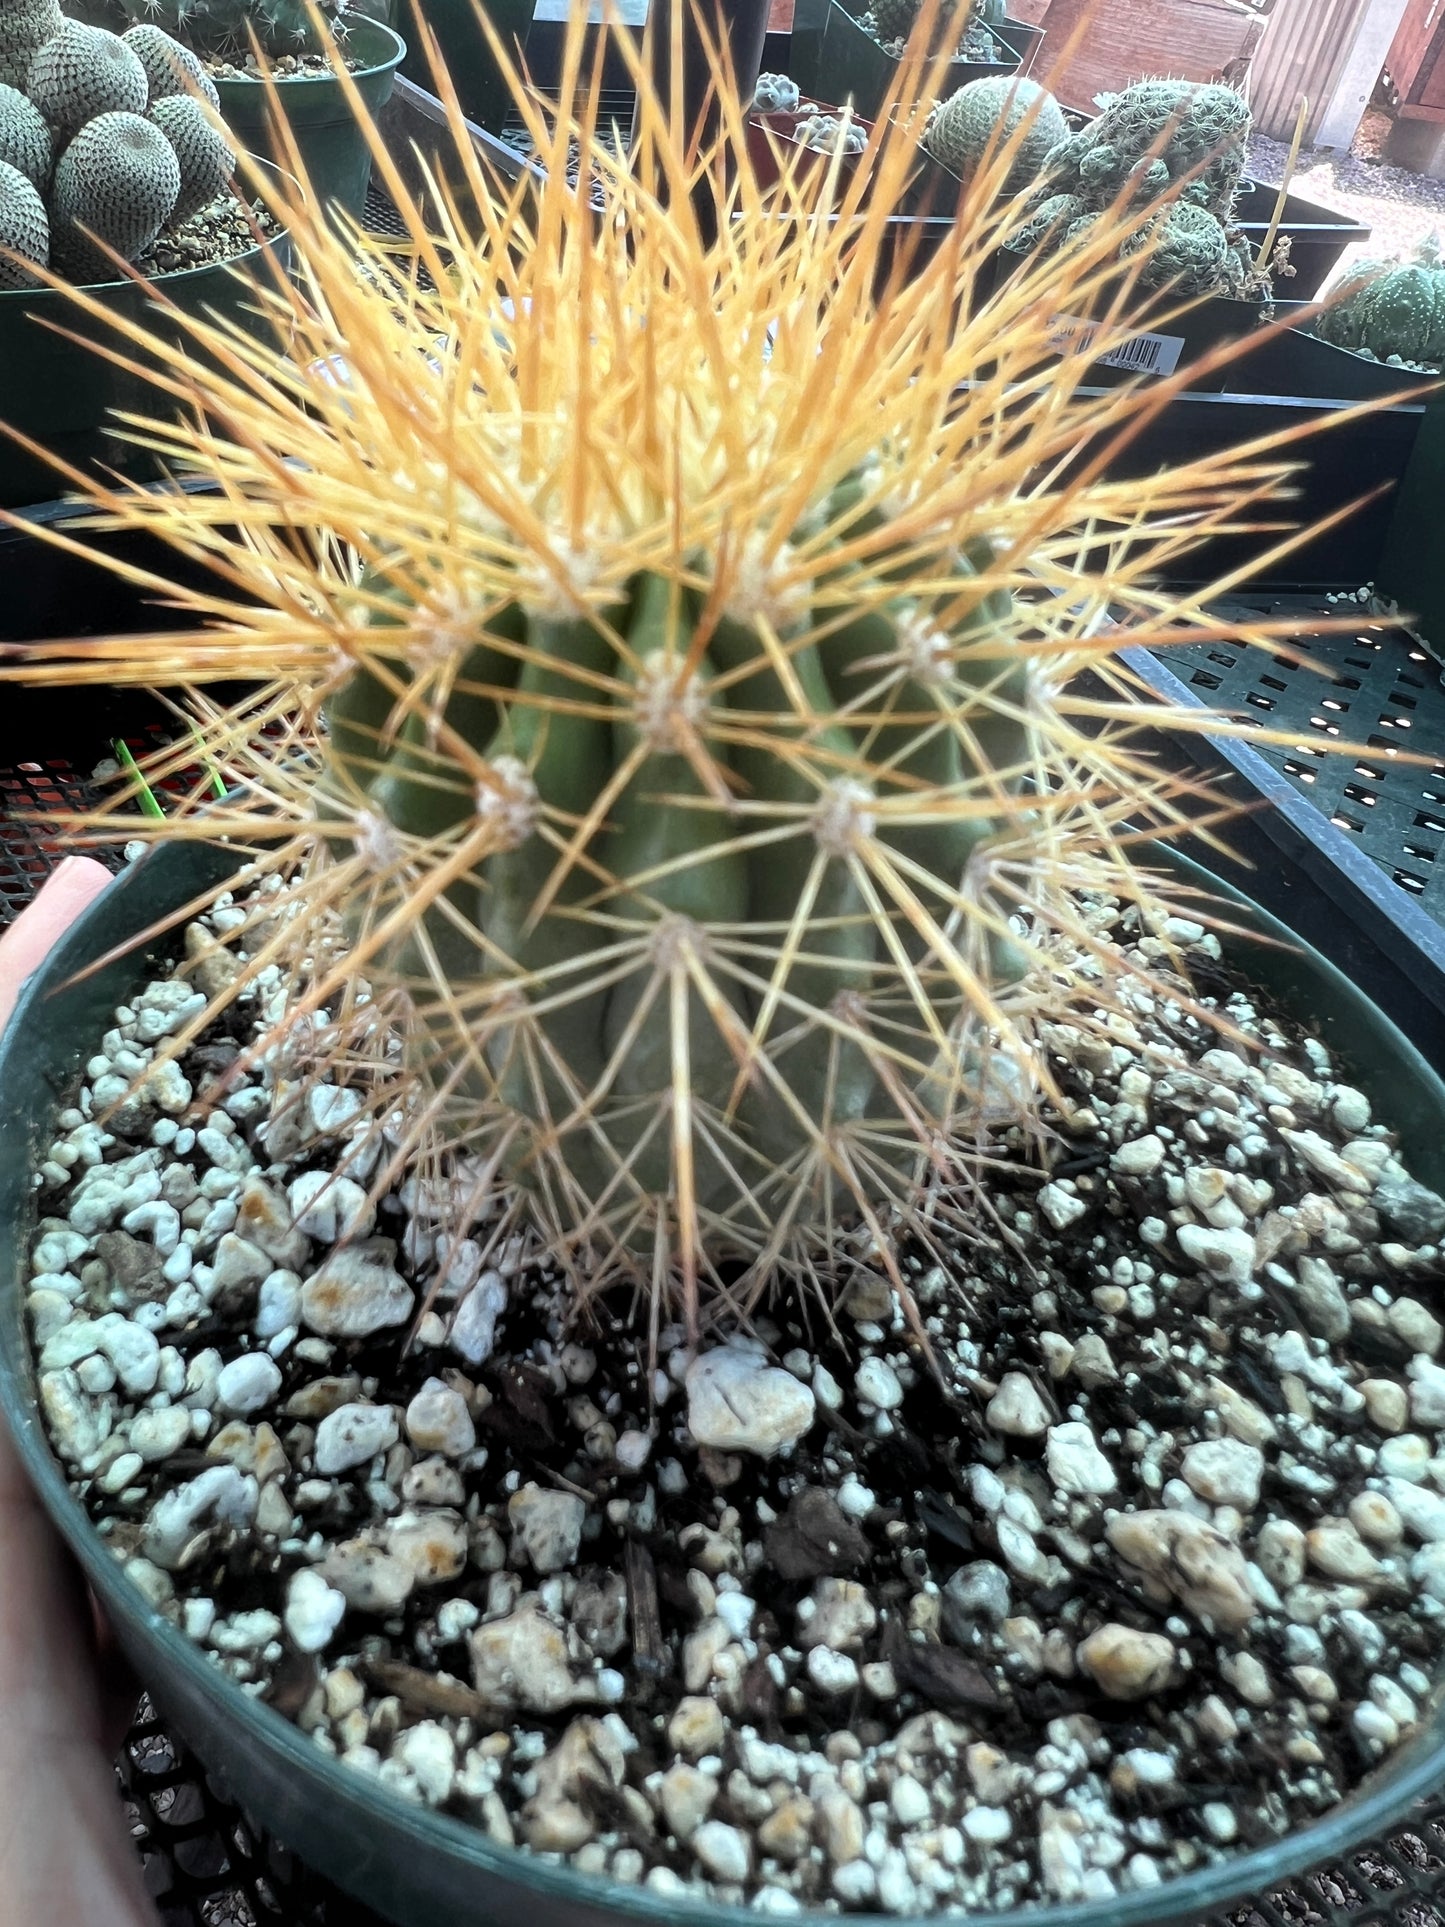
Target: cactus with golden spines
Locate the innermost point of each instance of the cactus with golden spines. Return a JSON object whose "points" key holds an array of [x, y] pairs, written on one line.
{"points": [[697, 779]]}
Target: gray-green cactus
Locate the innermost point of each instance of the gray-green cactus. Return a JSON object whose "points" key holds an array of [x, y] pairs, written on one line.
{"points": [[170, 67], [85, 71], [981, 117], [224, 28], [893, 20], [1157, 138], [1392, 311], [25, 138], [24, 228], [206, 160], [120, 179], [1180, 144], [25, 26]]}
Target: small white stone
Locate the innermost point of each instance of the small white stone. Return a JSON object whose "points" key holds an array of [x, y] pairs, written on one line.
{"points": [[1422, 1512], [1224, 1471], [1139, 1156], [1062, 1208], [473, 1331], [724, 1851], [437, 1420], [219, 1496], [1337, 1550], [313, 1611], [1228, 1255], [910, 1802], [1416, 1326], [547, 1526], [352, 1435], [329, 1208], [831, 1672], [1427, 1393], [987, 1826], [1016, 1408], [353, 1295], [1076, 1465], [278, 1304], [247, 1384], [737, 1402], [876, 1383], [633, 1450]]}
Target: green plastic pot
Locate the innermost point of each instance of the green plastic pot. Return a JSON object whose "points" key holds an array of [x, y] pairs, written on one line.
{"points": [[475, 75], [419, 1868], [331, 144], [63, 395]]}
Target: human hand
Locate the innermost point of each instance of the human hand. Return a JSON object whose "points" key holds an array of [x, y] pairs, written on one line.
{"points": [[64, 1854]]}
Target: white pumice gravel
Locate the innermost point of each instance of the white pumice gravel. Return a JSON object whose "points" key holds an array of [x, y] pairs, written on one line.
{"points": [[1140, 1563]]}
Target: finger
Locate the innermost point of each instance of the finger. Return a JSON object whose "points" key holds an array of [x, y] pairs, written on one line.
{"points": [[67, 890]]}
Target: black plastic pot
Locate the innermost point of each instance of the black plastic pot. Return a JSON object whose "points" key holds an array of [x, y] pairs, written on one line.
{"points": [[464, 49], [1318, 236], [1355, 458], [63, 395], [417, 1867], [851, 66], [332, 146]]}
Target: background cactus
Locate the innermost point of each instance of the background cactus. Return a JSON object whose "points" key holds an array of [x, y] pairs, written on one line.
{"points": [[984, 114], [1173, 150], [966, 31], [1391, 310], [24, 228], [120, 175], [82, 72], [170, 68], [120, 179], [25, 26], [224, 29], [206, 161], [24, 137], [675, 691]]}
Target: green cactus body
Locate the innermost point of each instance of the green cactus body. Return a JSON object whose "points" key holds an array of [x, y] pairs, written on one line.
{"points": [[224, 29], [1390, 310], [206, 161], [85, 71], [662, 868], [24, 228], [170, 68], [120, 179], [1161, 135], [1188, 251], [24, 138], [982, 116], [25, 26]]}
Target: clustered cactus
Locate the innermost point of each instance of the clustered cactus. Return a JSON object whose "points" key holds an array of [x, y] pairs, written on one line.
{"points": [[1176, 147], [1392, 311], [675, 674], [892, 21], [227, 29], [107, 144]]}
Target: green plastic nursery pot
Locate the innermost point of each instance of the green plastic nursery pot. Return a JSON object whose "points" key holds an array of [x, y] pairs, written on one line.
{"points": [[419, 1868], [63, 395], [465, 53], [332, 146]]}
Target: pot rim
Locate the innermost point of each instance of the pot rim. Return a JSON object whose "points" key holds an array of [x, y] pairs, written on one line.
{"points": [[1383, 1799], [386, 57]]}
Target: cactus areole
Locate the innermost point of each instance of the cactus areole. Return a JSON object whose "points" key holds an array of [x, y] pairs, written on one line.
{"points": [[687, 762]]}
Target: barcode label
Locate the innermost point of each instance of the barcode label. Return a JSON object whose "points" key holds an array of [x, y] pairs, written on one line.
{"points": [[1140, 354]]}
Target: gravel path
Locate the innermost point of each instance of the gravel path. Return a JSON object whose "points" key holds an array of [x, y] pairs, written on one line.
{"points": [[1400, 208]]}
